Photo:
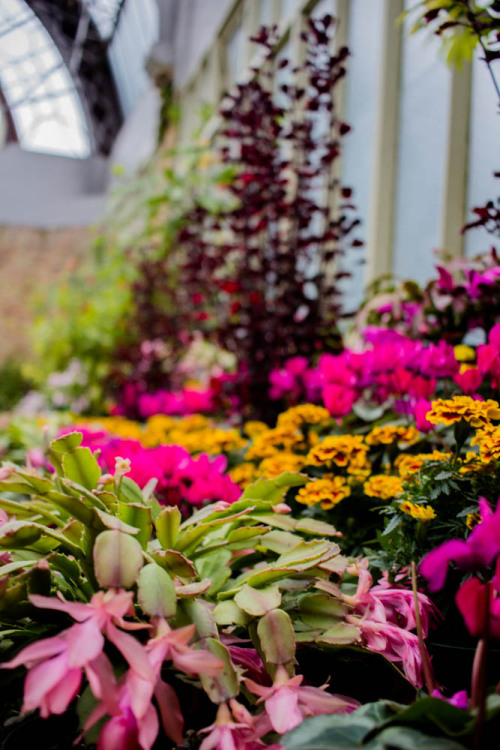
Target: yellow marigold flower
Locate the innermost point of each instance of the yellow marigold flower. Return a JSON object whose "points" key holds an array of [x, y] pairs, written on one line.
{"points": [[419, 512], [162, 423], [449, 411], [297, 416], [488, 440], [275, 465], [254, 428], [337, 449], [408, 464], [472, 520], [272, 441], [464, 353], [387, 434], [193, 422], [464, 367], [359, 467], [244, 474], [328, 492], [383, 486], [124, 428], [471, 462]]}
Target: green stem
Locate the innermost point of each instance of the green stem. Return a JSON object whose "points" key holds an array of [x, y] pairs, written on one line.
{"points": [[426, 664], [479, 672]]}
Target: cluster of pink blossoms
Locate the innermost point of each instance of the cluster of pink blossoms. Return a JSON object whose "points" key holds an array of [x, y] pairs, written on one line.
{"points": [[391, 367], [181, 479], [172, 403]]}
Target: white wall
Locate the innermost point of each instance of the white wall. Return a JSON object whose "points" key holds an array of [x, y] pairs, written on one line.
{"points": [[45, 191]]}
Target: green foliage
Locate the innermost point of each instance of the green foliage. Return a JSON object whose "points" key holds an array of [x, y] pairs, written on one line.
{"points": [[13, 384], [461, 25], [257, 568], [427, 724], [86, 317]]}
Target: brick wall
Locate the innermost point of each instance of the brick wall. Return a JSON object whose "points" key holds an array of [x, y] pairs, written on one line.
{"points": [[31, 261]]}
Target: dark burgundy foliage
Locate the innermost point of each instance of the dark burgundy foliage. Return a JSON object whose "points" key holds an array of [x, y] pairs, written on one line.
{"points": [[260, 279]]}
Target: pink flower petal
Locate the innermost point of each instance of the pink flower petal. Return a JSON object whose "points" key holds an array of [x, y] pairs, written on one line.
{"points": [[132, 650], [283, 710], [170, 711]]}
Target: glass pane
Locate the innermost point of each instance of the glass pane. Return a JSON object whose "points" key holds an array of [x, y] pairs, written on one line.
{"points": [[484, 153], [326, 6], [37, 85], [424, 114], [287, 6], [266, 12], [235, 54], [362, 90]]}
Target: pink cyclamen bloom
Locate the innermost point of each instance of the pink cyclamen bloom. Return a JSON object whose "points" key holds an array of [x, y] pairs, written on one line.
{"points": [[287, 703], [338, 400], [469, 381], [56, 664], [475, 553], [420, 411], [459, 700]]}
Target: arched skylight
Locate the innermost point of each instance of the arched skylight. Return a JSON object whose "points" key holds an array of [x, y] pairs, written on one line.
{"points": [[38, 87]]}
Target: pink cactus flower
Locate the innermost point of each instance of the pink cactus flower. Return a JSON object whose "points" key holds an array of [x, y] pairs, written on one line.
{"points": [[287, 703], [56, 664]]}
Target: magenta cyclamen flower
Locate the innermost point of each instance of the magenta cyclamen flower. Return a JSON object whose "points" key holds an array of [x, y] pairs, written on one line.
{"points": [[475, 553]]}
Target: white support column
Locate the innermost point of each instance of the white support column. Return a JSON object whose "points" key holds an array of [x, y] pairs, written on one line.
{"points": [[455, 185], [381, 221]]}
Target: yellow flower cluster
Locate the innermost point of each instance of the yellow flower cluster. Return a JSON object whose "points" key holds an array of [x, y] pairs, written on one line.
{"points": [[307, 414], [420, 512], [275, 465], [341, 450], [383, 486], [273, 441], [477, 413], [488, 440], [327, 491], [195, 433], [464, 353], [254, 428], [244, 474], [408, 464], [388, 434]]}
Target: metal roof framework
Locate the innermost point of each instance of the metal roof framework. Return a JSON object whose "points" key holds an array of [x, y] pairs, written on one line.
{"points": [[60, 73]]}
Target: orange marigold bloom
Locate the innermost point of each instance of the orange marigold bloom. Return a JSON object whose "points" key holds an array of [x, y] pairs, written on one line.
{"points": [[275, 465], [328, 492], [337, 449], [488, 440], [387, 434], [383, 486], [449, 411], [408, 464], [420, 512], [297, 416]]}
